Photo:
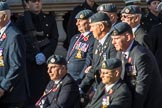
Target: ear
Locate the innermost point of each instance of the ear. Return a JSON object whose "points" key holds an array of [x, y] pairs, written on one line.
{"points": [[136, 19], [102, 27], [117, 73], [128, 37]]}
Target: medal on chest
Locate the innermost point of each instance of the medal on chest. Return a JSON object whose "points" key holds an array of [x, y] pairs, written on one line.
{"points": [[79, 54], [1, 57]]}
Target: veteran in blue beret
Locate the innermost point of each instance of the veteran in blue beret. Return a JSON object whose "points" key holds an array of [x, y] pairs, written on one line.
{"points": [[140, 69], [112, 91], [132, 2], [62, 90], [111, 10], [132, 15], [13, 77], [79, 55], [103, 49]]}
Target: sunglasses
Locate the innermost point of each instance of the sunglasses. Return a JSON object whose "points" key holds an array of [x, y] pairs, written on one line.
{"points": [[35, 1]]}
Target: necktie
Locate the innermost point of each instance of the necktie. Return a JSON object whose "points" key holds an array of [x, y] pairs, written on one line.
{"points": [[99, 47]]}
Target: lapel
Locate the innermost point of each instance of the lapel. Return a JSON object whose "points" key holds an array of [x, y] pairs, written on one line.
{"points": [[71, 50], [99, 56], [111, 92], [5, 35], [55, 93], [99, 93]]}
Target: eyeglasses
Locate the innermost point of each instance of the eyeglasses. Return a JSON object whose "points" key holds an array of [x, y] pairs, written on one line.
{"points": [[35, 1]]}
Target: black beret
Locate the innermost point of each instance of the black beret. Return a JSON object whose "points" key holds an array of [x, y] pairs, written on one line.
{"points": [[120, 28], [56, 59], [131, 9], [98, 17], [84, 14], [111, 63], [149, 1], [3, 6], [109, 7]]}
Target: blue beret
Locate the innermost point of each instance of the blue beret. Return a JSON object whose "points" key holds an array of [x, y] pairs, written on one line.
{"points": [[131, 9], [131, 2], [84, 14], [109, 7], [111, 63], [56, 59], [3, 6], [98, 17], [120, 28], [149, 1]]}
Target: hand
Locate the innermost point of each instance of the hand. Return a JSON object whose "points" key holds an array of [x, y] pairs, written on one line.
{"points": [[1, 92], [40, 58], [87, 69]]}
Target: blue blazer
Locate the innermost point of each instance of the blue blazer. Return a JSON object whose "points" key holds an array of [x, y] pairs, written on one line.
{"points": [[13, 78], [76, 66]]}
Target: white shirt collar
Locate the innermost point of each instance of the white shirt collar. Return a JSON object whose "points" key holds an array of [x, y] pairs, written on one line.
{"points": [[135, 28], [57, 81], [108, 87], [86, 33], [4, 28], [103, 39], [126, 53]]}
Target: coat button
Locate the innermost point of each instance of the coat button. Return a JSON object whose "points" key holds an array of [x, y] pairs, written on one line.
{"points": [[46, 25]]}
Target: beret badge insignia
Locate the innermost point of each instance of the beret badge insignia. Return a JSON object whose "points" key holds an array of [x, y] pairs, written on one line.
{"points": [[127, 10], [115, 32], [104, 65], [52, 60], [81, 16]]}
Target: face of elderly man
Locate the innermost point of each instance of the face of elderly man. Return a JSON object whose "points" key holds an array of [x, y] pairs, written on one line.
{"points": [[121, 42], [83, 25], [56, 71], [96, 29], [109, 76]]}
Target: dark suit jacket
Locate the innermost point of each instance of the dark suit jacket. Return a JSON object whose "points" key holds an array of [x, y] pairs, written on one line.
{"points": [[142, 75], [142, 37], [120, 98], [155, 35], [65, 96], [109, 51], [13, 77], [76, 66]]}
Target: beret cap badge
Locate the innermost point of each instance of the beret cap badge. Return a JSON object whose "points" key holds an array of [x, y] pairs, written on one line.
{"points": [[81, 16], [103, 65], [53, 60], [115, 32], [127, 11]]}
